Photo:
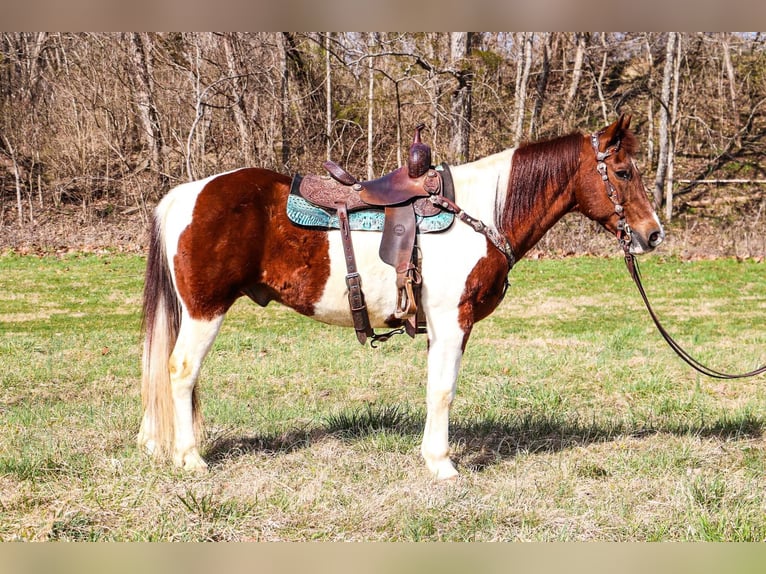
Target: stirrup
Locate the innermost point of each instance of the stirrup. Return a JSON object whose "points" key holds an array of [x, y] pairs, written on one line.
{"points": [[406, 304]]}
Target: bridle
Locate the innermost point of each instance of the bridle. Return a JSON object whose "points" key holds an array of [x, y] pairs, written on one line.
{"points": [[624, 236]]}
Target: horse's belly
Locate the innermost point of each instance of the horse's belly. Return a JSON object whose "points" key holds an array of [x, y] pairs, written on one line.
{"points": [[446, 259], [378, 282]]}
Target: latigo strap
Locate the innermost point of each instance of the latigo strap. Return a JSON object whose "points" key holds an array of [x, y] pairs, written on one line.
{"points": [[353, 280]]}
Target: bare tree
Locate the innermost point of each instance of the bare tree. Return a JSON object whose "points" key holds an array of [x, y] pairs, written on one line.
{"points": [[195, 141], [665, 129], [434, 86], [328, 94], [674, 127], [600, 79], [729, 68], [284, 95], [650, 113], [372, 41], [542, 84], [460, 108], [142, 75], [17, 177], [522, 77], [580, 46], [239, 109]]}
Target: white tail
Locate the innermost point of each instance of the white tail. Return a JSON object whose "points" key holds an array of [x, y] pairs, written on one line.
{"points": [[161, 322]]}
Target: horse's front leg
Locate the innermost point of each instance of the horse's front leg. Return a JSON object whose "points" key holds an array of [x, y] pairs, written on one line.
{"points": [[445, 352]]}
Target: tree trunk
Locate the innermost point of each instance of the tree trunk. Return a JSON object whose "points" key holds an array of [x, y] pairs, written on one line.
{"points": [[580, 43], [521, 84], [664, 130], [434, 92], [33, 43], [372, 42], [328, 94], [195, 73], [239, 110], [673, 132], [542, 86], [460, 108], [141, 72], [284, 95], [729, 67], [16, 177], [296, 67], [600, 80], [650, 114]]}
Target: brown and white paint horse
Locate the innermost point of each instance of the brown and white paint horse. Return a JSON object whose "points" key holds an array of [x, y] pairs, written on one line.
{"points": [[226, 236]]}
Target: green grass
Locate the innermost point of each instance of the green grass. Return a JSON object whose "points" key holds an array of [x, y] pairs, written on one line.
{"points": [[573, 419]]}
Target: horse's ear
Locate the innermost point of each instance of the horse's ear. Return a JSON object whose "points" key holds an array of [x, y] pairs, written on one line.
{"points": [[614, 132]]}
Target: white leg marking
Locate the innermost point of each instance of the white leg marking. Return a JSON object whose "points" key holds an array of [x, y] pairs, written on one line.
{"points": [[194, 341], [444, 357], [146, 435]]}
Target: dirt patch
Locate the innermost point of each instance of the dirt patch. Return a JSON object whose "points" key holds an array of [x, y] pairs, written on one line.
{"points": [[24, 317]]}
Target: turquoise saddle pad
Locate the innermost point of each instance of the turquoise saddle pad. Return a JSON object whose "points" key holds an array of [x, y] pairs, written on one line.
{"points": [[307, 214]]}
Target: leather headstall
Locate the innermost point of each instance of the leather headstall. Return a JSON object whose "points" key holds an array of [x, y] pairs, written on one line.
{"points": [[623, 229]]}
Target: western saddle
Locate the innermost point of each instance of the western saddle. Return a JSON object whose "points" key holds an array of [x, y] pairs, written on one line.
{"points": [[407, 192]]}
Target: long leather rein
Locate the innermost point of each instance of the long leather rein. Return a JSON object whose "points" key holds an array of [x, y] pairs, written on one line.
{"points": [[624, 237], [632, 264]]}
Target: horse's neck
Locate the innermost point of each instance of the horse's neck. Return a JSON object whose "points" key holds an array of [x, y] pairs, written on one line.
{"points": [[524, 234], [548, 205], [480, 186], [481, 190]]}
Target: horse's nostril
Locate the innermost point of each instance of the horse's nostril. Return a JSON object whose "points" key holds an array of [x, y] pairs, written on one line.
{"points": [[655, 238]]}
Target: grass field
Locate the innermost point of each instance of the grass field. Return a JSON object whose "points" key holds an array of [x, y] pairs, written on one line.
{"points": [[573, 420]]}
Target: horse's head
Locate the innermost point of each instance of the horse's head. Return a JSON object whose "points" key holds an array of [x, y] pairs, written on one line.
{"points": [[611, 190]]}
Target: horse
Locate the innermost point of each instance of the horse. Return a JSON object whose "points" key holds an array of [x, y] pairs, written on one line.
{"points": [[227, 236]]}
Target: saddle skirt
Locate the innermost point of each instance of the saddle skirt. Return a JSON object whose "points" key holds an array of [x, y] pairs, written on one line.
{"points": [[362, 217]]}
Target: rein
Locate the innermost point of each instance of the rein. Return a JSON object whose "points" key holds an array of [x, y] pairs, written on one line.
{"points": [[624, 237], [635, 273]]}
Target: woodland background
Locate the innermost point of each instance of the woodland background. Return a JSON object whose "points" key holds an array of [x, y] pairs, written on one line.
{"points": [[96, 127]]}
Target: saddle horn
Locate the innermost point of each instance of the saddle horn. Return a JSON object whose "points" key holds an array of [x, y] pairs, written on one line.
{"points": [[419, 160]]}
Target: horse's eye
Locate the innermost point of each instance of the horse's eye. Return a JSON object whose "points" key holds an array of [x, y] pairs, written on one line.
{"points": [[623, 174]]}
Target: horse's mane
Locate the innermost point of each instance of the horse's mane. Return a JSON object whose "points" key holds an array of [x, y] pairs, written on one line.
{"points": [[542, 166], [538, 166]]}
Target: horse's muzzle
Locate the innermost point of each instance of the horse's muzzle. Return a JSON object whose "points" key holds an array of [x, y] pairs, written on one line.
{"points": [[643, 243]]}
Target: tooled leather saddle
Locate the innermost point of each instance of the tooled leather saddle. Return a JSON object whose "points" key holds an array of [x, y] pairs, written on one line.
{"points": [[401, 204]]}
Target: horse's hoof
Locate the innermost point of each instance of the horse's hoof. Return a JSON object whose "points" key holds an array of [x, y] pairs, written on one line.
{"points": [[190, 461], [148, 445], [198, 467], [444, 470]]}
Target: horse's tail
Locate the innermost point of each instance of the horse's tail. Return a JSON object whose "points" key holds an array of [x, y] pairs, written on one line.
{"points": [[161, 323]]}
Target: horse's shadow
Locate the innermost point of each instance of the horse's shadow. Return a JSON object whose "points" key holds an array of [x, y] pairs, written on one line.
{"points": [[479, 443]]}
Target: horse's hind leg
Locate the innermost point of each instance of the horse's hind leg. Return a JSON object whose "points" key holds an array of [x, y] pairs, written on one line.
{"points": [[194, 341]]}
